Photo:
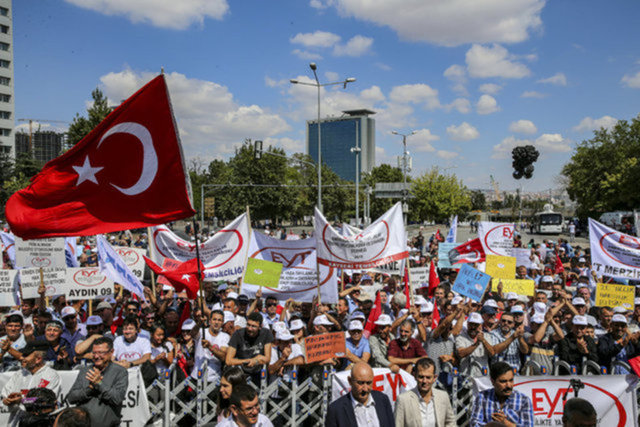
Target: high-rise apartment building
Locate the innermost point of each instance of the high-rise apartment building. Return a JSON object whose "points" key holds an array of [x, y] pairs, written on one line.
{"points": [[338, 136], [7, 138]]}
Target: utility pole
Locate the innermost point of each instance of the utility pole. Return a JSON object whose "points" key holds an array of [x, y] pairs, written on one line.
{"points": [[405, 206]]}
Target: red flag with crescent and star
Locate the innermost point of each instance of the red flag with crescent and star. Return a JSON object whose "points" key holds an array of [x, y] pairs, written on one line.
{"points": [[126, 173], [468, 252], [182, 277]]}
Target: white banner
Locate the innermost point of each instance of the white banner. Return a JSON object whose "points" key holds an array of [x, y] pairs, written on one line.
{"points": [[380, 243], [496, 237], [453, 231], [394, 267], [614, 253], [87, 283], [299, 279], [419, 277], [116, 269], [38, 253], [55, 281], [135, 408], [8, 243], [223, 255], [133, 258], [612, 396], [523, 257], [9, 287], [383, 380]]}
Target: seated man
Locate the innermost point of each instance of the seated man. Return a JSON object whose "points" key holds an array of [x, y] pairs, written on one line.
{"points": [[130, 349], [502, 404], [60, 351], [577, 344], [618, 345], [404, 351], [95, 330], [12, 342]]}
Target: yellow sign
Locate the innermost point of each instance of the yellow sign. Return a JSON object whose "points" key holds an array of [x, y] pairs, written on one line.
{"points": [[520, 287], [611, 295], [209, 206], [501, 267]]}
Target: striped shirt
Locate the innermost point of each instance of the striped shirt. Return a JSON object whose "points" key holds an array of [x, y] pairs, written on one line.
{"points": [[517, 408]]}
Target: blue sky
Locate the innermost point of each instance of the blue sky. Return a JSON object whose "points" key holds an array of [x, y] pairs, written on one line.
{"points": [[474, 78]]}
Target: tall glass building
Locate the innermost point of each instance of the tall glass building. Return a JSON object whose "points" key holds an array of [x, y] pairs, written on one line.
{"points": [[339, 134], [7, 140]]}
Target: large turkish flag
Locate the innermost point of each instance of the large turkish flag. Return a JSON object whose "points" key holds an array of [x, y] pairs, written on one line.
{"points": [[126, 173]]}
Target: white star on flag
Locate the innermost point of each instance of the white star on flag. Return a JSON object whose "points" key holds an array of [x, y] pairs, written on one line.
{"points": [[186, 277], [86, 172]]}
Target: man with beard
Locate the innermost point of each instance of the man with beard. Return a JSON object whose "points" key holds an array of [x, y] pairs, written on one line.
{"points": [[472, 346], [34, 373], [379, 344], [424, 405], [618, 345], [404, 351], [509, 341], [101, 388], [502, 403], [250, 347]]}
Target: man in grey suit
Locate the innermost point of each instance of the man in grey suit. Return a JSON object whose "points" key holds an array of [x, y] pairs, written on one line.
{"points": [[424, 406]]}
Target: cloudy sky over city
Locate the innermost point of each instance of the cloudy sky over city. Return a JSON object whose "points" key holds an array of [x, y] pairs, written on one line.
{"points": [[473, 78]]}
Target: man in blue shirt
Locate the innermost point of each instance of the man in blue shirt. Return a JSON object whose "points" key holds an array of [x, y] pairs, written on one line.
{"points": [[502, 403], [358, 349]]}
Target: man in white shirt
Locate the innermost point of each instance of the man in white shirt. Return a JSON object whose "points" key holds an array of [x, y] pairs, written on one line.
{"points": [[12, 342], [245, 409], [34, 374], [130, 349], [213, 348]]}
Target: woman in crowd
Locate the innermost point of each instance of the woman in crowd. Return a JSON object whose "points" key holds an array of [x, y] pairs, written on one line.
{"points": [[231, 377]]}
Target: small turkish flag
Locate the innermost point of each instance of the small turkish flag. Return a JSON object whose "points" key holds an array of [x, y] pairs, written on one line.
{"points": [[438, 236], [470, 251], [374, 314], [183, 277], [126, 173]]}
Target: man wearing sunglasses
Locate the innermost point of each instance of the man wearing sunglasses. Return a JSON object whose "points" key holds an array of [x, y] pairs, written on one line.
{"points": [[508, 343], [271, 316]]}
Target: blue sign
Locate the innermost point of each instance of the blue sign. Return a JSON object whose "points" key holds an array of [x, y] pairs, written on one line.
{"points": [[443, 254], [471, 283]]}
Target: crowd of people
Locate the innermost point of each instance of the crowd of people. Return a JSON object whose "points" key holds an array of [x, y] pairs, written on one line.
{"points": [[233, 339]]}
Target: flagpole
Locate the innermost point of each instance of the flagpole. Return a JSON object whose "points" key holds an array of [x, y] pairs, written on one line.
{"points": [[151, 255], [195, 233], [409, 281], [246, 258]]}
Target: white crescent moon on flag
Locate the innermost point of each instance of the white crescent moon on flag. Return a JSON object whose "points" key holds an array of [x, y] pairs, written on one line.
{"points": [[149, 156]]}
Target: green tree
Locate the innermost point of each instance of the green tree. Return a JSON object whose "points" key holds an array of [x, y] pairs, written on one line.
{"points": [[382, 173], [478, 200], [81, 126], [438, 197], [604, 170]]}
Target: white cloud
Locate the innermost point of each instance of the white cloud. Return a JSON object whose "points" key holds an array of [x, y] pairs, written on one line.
{"points": [[464, 132], [447, 155], [373, 94], [382, 157], [456, 73], [421, 141], [416, 94], [175, 15], [632, 81], [41, 126], [462, 105], [589, 124], [332, 76], [490, 88], [306, 55], [356, 46], [487, 104], [442, 23], [290, 145], [533, 94], [383, 66], [558, 79], [523, 126], [275, 83], [548, 142], [209, 119], [495, 61], [316, 39]]}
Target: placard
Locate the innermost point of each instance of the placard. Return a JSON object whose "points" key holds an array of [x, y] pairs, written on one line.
{"points": [[38, 253], [496, 237], [613, 295], [613, 253], [262, 273], [520, 287], [9, 286], [55, 281], [471, 283], [443, 254], [523, 257], [324, 346], [501, 267], [133, 258], [419, 277], [87, 283]]}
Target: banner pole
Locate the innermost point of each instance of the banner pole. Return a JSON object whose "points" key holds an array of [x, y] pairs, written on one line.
{"points": [[195, 233], [246, 258], [90, 307], [46, 298], [151, 255], [408, 267]]}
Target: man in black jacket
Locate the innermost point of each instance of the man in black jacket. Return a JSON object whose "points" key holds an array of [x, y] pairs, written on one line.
{"points": [[576, 345], [618, 344], [362, 407]]}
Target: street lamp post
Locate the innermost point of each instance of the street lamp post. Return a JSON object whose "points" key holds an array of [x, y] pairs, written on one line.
{"points": [[356, 150], [318, 85], [404, 171]]}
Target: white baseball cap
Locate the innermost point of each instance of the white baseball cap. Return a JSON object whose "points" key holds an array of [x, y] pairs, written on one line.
{"points": [[284, 335], [279, 326], [419, 300], [229, 317], [68, 311], [187, 325], [384, 320], [456, 300], [217, 307], [580, 320], [240, 322], [619, 310], [322, 320], [491, 303], [96, 320], [636, 301], [427, 307], [618, 318], [546, 279], [539, 307], [578, 301], [537, 318], [232, 295], [296, 324], [516, 309], [582, 259], [355, 325], [475, 318], [511, 295]]}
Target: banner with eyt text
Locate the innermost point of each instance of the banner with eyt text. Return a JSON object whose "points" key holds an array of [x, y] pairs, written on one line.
{"points": [[133, 257], [39, 253], [613, 253], [87, 283], [496, 237], [380, 243], [299, 277], [384, 381], [112, 266], [612, 396], [223, 255]]}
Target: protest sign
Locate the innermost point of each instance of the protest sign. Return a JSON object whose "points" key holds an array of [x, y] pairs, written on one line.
{"points": [[496, 237], [324, 346], [394, 267], [443, 254], [9, 287], [38, 253], [471, 283], [8, 243], [419, 277], [55, 281], [613, 295], [380, 243], [262, 273], [520, 287], [523, 257], [116, 269], [135, 407], [223, 255], [501, 267], [614, 253], [299, 277], [132, 257], [384, 381], [612, 396], [87, 283]]}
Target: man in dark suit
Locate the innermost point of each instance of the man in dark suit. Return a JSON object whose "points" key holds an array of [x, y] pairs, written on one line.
{"points": [[362, 407]]}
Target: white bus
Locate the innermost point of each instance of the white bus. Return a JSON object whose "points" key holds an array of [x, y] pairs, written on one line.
{"points": [[547, 222]]}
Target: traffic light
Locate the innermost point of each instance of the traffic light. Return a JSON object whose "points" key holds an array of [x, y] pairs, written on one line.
{"points": [[523, 160], [257, 150]]}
